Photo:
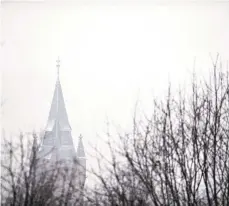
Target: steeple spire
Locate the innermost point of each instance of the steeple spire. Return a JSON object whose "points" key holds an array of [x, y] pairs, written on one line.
{"points": [[58, 117], [58, 111]]}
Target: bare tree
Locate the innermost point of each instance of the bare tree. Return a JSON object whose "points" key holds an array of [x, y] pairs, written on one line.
{"points": [[28, 180], [179, 156]]}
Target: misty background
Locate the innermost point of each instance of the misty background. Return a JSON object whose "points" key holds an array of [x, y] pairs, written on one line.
{"points": [[112, 54]]}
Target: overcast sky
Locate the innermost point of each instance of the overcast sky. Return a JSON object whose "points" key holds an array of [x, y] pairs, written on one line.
{"points": [[111, 54]]}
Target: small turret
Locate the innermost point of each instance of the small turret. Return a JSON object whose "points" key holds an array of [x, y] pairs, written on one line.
{"points": [[81, 158], [80, 149]]}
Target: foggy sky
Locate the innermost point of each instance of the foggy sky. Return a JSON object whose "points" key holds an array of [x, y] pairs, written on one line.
{"points": [[111, 54]]}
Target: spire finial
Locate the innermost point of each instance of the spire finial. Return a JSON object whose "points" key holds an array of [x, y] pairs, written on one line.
{"points": [[80, 137], [58, 66]]}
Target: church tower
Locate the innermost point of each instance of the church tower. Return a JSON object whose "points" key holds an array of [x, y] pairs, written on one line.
{"points": [[57, 144]]}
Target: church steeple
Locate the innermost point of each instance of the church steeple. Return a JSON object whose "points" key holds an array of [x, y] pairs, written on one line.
{"points": [[57, 142]]}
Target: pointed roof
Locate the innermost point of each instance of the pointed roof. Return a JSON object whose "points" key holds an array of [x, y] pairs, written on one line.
{"points": [[80, 149], [58, 111]]}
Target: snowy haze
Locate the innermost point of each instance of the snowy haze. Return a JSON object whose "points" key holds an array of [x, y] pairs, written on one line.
{"points": [[111, 53]]}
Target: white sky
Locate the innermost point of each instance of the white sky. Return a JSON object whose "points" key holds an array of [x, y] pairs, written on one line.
{"points": [[111, 53]]}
